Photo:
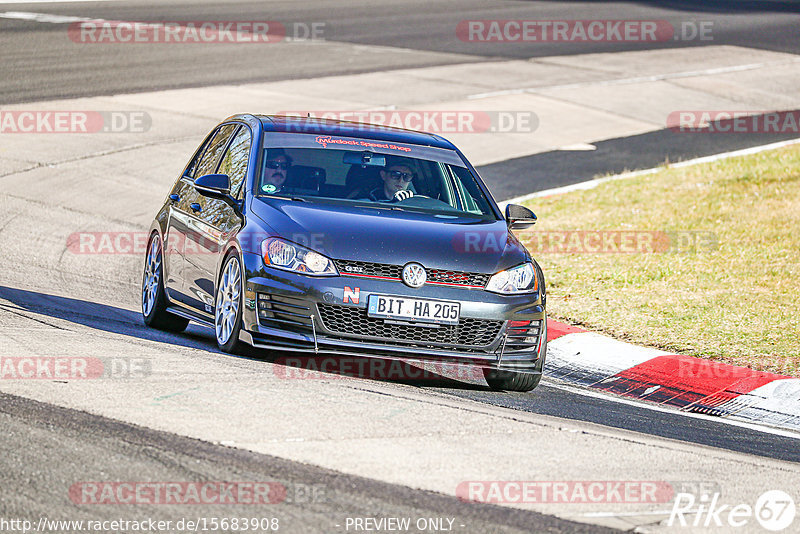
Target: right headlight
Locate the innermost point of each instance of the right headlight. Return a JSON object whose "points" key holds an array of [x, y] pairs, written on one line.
{"points": [[520, 279], [282, 254]]}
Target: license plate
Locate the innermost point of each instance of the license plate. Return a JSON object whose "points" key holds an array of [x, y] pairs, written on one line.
{"points": [[408, 309]]}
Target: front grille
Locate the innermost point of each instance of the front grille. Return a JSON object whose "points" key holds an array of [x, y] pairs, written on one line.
{"points": [[395, 272], [284, 312], [369, 269], [353, 321], [458, 278]]}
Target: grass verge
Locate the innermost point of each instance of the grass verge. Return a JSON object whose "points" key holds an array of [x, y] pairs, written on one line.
{"points": [[710, 260]]}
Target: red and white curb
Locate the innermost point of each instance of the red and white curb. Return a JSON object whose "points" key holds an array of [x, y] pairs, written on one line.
{"points": [[690, 384]]}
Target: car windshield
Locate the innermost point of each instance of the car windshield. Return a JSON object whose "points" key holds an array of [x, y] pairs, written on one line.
{"points": [[373, 178]]}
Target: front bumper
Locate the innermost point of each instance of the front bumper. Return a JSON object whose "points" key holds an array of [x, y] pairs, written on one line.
{"points": [[327, 315]]}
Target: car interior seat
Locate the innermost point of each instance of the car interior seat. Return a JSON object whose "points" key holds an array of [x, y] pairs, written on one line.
{"points": [[360, 180], [305, 177]]}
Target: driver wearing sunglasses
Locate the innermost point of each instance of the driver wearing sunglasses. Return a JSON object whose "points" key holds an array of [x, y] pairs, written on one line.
{"points": [[276, 167], [396, 177]]}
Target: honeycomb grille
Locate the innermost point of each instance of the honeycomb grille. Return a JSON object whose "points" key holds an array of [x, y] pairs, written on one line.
{"points": [[353, 321], [395, 272], [371, 269], [458, 278]]}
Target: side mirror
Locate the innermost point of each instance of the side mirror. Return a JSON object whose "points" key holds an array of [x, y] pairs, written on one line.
{"points": [[519, 217], [216, 186], [213, 185]]}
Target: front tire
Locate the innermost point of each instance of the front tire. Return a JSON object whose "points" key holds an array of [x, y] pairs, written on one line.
{"points": [[228, 307], [513, 381], [154, 298]]}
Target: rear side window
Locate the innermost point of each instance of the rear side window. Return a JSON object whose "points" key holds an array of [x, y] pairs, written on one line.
{"points": [[189, 172], [208, 163], [234, 162]]}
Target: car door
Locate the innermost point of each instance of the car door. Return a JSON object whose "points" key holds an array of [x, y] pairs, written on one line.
{"points": [[175, 234], [219, 219], [198, 247]]}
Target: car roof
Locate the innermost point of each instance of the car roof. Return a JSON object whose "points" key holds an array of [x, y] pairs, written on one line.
{"points": [[318, 126]]}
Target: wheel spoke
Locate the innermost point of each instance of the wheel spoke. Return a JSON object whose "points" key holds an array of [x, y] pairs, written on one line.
{"points": [[151, 276], [227, 302]]}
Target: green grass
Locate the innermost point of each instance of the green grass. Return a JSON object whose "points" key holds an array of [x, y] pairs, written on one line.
{"points": [[736, 302]]}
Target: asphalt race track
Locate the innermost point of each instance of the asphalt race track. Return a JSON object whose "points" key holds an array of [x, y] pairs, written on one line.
{"points": [[341, 447], [423, 30]]}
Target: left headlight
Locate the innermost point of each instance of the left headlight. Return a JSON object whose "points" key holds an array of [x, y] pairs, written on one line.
{"points": [[282, 254], [520, 279]]}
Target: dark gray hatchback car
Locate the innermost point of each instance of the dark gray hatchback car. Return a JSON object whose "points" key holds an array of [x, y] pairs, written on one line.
{"points": [[330, 237]]}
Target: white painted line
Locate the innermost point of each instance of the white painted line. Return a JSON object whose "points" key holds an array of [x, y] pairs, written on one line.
{"points": [[627, 514], [658, 408], [636, 79], [41, 17], [578, 147], [591, 184], [49, 1]]}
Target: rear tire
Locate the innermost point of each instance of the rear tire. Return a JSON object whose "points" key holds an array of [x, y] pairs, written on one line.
{"points": [[154, 298], [513, 381]]}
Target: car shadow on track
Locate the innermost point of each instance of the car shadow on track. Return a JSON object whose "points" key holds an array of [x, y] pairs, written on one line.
{"points": [[34, 305]]}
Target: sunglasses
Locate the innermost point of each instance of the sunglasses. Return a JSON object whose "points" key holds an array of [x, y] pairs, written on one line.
{"points": [[405, 176], [277, 165]]}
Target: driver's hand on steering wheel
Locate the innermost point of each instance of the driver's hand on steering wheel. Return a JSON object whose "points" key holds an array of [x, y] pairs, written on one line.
{"points": [[402, 195]]}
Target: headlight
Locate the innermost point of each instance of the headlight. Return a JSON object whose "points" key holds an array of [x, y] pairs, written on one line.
{"points": [[284, 255], [521, 279]]}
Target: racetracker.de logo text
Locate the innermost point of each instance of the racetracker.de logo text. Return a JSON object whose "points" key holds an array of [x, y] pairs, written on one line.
{"points": [[581, 31], [73, 122], [194, 32], [433, 121], [170, 493], [734, 122], [568, 492]]}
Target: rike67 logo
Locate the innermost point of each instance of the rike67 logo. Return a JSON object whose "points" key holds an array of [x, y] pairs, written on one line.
{"points": [[774, 510]]}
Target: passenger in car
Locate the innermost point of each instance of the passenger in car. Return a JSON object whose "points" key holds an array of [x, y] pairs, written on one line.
{"points": [[276, 168], [396, 177]]}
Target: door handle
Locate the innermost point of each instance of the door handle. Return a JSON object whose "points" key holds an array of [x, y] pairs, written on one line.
{"points": [[175, 198], [195, 207]]}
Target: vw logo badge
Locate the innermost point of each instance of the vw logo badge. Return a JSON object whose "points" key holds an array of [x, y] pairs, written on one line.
{"points": [[414, 275]]}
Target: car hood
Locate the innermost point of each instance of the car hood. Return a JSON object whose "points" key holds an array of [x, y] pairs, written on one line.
{"points": [[392, 236]]}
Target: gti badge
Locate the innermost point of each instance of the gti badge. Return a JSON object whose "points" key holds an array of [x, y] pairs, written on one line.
{"points": [[414, 275]]}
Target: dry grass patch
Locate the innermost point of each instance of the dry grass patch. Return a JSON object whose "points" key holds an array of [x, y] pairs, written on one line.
{"points": [[736, 302]]}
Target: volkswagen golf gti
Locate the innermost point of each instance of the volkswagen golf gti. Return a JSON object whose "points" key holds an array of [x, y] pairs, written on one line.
{"points": [[330, 237]]}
